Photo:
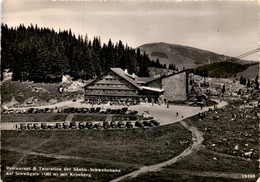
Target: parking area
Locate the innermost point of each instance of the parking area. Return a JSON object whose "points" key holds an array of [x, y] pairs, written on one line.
{"points": [[161, 113]]}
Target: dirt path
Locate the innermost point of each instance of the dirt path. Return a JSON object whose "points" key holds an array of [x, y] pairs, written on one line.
{"points": [[28, 151], [56, 156], [69, 118], [197, 140]]}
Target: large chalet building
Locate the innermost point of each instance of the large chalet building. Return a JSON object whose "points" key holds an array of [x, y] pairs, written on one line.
{"points": [[118, 86]]}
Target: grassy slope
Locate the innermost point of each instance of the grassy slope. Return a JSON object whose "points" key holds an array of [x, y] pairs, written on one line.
{"points": [[133, 146], [222, 69], [250, 72], [33, 117], [226, 134], [21, 91]]}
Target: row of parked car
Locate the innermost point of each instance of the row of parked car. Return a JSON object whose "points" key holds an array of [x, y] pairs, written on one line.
{"points": [[89, 125], [100, 110]]}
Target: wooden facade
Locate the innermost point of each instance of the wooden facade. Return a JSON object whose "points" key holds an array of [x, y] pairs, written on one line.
{"points": [[118, 87]]}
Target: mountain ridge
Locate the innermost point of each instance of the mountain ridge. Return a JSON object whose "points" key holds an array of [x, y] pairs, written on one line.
{"points": [[183, 56]]}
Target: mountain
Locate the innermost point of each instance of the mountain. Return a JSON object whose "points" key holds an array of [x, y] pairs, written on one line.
{"points": [[182, 56], [250, 72]]}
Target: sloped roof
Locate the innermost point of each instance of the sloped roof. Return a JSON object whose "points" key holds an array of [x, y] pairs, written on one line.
{"points": [[152, 89], [124, 75], [130, 79], [121, 73]]}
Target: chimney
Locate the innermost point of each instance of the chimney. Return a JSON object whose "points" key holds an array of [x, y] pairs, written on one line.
{"points": [[126, 71], [133, 75]]}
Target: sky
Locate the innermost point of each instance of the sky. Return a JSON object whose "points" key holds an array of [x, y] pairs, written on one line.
{"points": [[224, 27]]}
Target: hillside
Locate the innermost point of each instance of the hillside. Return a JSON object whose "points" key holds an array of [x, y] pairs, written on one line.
{"points": [[250, 72], [223, 69], [182, 56]]}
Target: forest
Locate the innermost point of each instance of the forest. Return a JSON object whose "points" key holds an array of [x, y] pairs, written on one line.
{"points": [[44, 55]]}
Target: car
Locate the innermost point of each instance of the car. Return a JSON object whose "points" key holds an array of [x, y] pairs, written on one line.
{"points": [[46, 110], [97, 109], [85, 110], [92, 110], [35, 110], [89, 125], [154, 122], [98, 126], [73, 125], [36, 126], [129, 124], [121, 124], [113, 111], [147, 123], [65, 125], [108, 111], [30, 110], [102, 110], [106, 125], [51, 126], [29, 126], [23, 126], [58, 126], [118, 111], [113, 124], [139, 124], [44, 126], [124, 109], [82, 125]]}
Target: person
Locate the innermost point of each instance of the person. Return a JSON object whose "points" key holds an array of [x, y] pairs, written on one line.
{"points": [[167, 104], [177, 114]]}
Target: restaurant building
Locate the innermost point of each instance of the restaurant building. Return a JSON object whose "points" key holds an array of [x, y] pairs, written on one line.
{"points": [[117, 86]]}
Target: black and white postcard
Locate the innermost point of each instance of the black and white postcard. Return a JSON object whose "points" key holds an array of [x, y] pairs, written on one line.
{"points": [[133, 91]]}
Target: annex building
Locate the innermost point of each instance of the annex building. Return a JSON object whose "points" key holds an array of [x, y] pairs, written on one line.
{"points": [[117, 86]]}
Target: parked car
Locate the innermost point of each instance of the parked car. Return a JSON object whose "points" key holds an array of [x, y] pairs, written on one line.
{"points": [[102, 110], [129, 124], [85, 110], [30, 110], [92, 110], [23, 126], [113, 124], [118, 111], [113, 111], [44, 126], [36, 126], [139, 124], [121, 124], [51, 126], [89, 125], [154, 122], [124, 109], [108, 111], [73, 125], [35, 110], [97, 109], [106, 125], [78, 110], [98, 126], [147, 123], [81, 125], [65, 125], [29, 126], [58, 126]]}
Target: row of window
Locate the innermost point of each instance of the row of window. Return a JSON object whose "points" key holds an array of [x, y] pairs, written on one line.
{"points": [[113, 91], [113, 85]]}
